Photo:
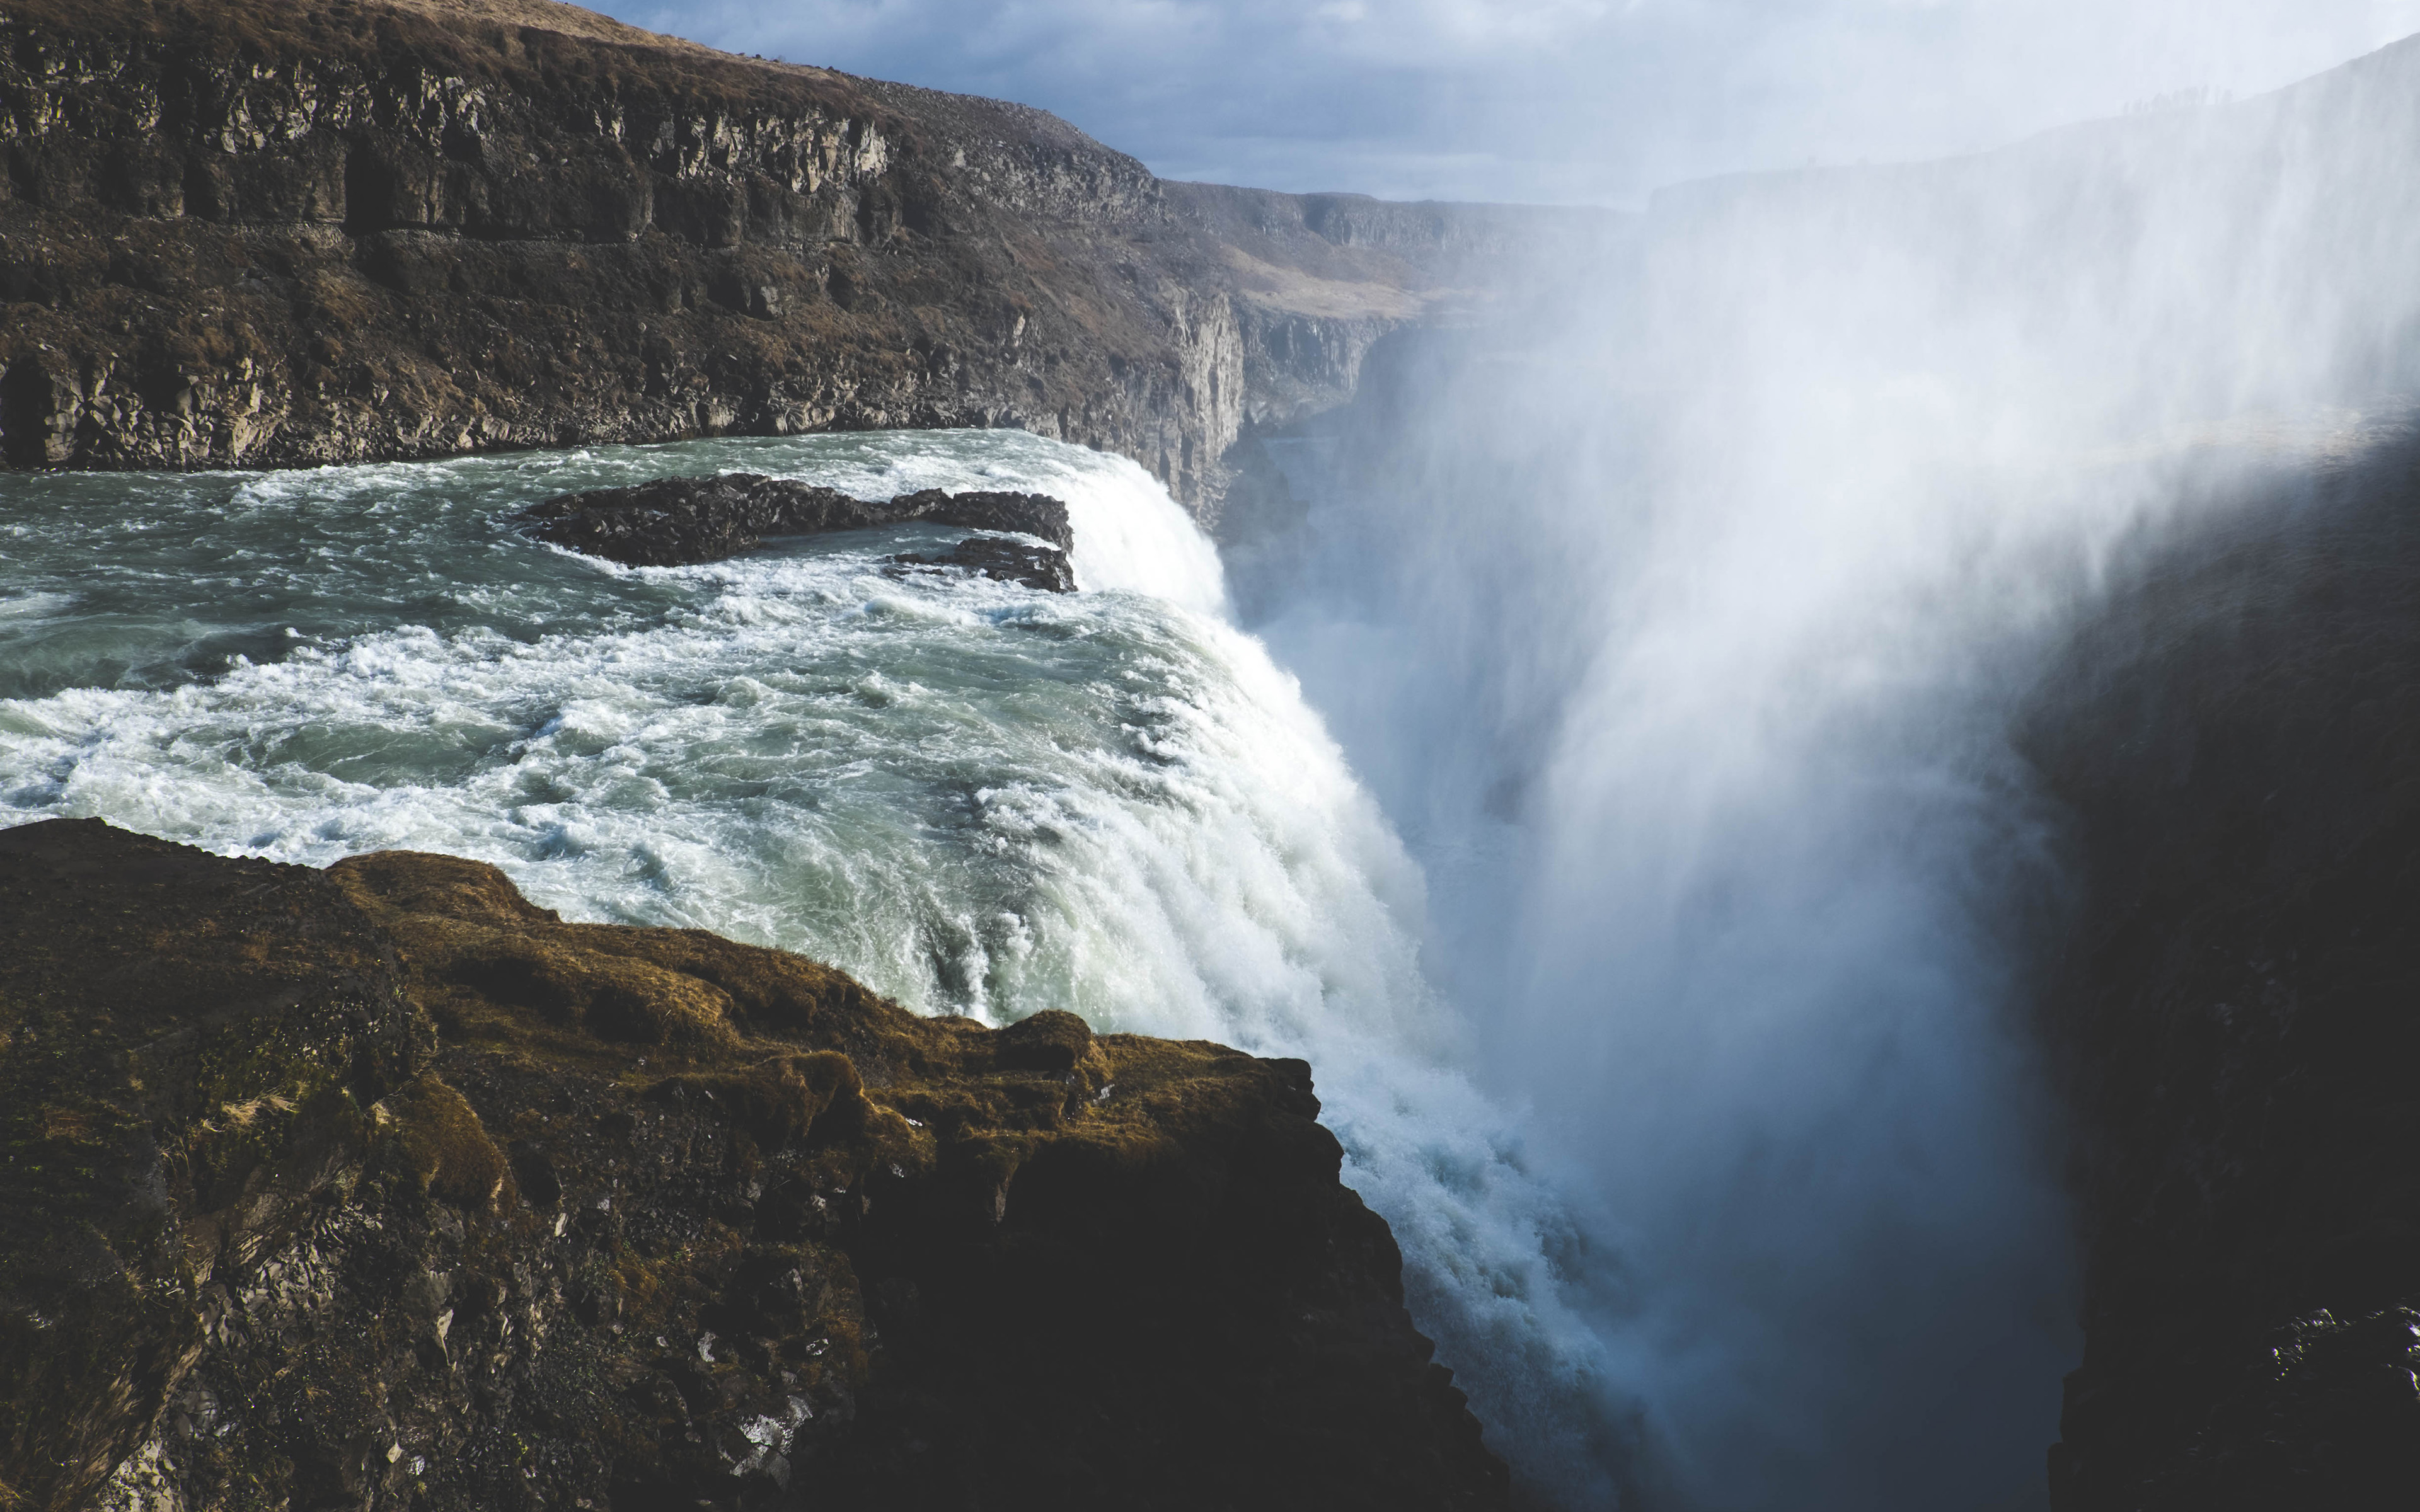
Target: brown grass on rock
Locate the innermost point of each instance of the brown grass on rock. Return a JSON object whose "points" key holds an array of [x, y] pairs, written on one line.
{"points": [[446, 1147]]}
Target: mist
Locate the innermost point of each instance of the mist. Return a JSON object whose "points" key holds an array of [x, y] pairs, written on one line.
{"points": [[1677, 603], [1678, 611]]}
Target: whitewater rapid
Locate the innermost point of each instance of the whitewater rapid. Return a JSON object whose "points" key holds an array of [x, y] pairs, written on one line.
{"points": [[977, 797]]}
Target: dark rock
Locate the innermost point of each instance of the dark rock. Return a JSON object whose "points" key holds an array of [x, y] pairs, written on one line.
{"points": [[2235, 737], [1051, 1041], [669, 522], [534, 1175], [308, 1202], [1013, 561], [188, 1049], [1026, 514], [2324, 1411]]}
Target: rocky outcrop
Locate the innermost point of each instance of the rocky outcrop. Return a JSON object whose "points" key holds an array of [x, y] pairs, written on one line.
{"points": [[2236, 738], [668, 522], [1002, 561], [279, 232], [380, 1186]]}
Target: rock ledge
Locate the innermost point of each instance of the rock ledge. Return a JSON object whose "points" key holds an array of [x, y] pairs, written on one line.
{"points": [[380, 1186]]}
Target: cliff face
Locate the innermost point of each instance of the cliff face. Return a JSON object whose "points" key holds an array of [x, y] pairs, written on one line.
{"points": [[379, 1186], [1318, 280], [2238, 738], [292, 232], [282, 232]]}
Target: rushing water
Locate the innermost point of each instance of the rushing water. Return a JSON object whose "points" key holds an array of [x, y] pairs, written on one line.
{"points": [[977, 797]]}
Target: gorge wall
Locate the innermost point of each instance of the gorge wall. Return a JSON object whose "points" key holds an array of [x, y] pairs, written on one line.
{"points": [[381, 1187], [2237, 736], [276, 234], [285, 233]]}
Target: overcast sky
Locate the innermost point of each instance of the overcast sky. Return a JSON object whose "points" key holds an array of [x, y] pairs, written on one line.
{"points": [[1548, 100]]}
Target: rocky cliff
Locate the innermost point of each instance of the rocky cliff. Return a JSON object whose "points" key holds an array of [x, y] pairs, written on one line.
{"points": [[299, 231], [2236, 738], [382, 1187]]}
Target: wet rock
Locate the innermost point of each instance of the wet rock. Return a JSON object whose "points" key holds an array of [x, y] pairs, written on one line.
{"points": [[1026, 514], [2234, 737], [669, 522], [676, 521], [310, 1202], [1013, 561]]}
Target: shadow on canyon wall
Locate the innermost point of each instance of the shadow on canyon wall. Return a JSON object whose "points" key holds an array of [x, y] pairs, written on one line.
{"points": [[2236, 737]]}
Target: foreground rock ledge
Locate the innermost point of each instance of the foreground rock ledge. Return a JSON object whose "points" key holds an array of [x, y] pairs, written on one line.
{"points": [[380, 1186]]}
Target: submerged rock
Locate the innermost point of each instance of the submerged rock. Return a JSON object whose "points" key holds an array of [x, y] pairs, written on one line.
{"points": [[381, 1184], [1015, 562], [671, 522]]}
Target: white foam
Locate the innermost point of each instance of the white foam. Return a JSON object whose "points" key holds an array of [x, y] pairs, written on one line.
{"points": [[34, 606], [1130, 536]]}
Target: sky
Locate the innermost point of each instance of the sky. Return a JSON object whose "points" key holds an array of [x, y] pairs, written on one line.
{"points": [[1550, 102]]}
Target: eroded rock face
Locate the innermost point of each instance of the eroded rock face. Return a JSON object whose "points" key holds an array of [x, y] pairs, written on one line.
{"points": [[273, 233], [381, 1186], [2237, 736], [668, 522]]}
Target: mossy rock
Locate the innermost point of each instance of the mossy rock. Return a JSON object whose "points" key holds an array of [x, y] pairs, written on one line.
{"points": [[358, 1188], [443, 1149], [185, 1044]]}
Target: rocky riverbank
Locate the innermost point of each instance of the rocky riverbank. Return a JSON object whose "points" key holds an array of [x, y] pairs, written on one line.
{"points": [[379, 1186]]}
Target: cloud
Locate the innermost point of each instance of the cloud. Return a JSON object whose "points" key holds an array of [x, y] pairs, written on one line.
{"points": [[1569, 101]]}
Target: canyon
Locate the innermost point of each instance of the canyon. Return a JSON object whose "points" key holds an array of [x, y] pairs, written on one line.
{"points": [[338, 1184], [289, 234]]}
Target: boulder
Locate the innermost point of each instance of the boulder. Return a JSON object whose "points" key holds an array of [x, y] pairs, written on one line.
{"points": [[671, 522], [1013, 561]]}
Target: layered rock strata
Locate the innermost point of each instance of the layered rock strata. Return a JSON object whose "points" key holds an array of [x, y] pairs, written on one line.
{"points": [[379, 1186], [667, 522], [300, 231], [2238, 738]]}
